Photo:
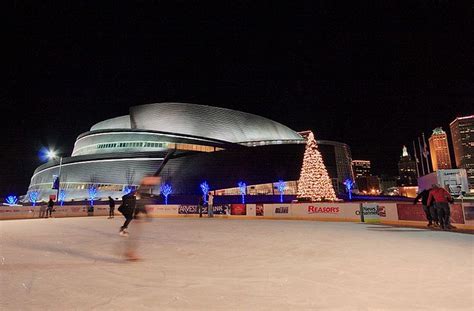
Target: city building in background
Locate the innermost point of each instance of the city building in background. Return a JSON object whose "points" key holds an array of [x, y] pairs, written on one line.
{"points": [[462, 134], [361, 168], [387, 184], [439, 150], [366, 183], [407, 170], [337, 158]]}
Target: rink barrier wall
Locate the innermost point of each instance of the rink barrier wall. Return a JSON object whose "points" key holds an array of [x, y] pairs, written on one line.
{"points": [[462, 215]]}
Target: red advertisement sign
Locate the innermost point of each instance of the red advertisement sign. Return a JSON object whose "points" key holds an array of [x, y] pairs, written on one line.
{"points": [[323, 209], [238, 209], [414, 212]]}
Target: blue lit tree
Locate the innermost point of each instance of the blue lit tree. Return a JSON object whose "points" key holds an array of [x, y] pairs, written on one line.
{"points": [[205, 190], [166, 190], [62, 196], [243, 190], [281, 186], [349, 185], [92, 190], [33, 195], [11, 200]]}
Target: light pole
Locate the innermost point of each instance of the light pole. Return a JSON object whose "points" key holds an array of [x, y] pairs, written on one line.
{"points": [[51, 154]]}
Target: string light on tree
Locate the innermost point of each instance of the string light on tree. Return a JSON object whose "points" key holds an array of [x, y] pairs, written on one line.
{"points": [[314, 183]]}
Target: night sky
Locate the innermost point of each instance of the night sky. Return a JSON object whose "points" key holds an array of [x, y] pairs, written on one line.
{"points": [[374, 77]]}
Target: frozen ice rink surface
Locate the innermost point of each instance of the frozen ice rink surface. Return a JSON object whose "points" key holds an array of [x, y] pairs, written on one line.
{"points": [[222, 264]]}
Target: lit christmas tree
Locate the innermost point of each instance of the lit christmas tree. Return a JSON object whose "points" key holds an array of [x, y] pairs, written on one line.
{"points": [[314, 183]]}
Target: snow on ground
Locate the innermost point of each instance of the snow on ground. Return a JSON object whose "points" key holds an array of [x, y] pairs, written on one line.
{"points": [[222, 264]]}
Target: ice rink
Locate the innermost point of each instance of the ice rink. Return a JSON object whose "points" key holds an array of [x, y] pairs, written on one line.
{"points": [[224, 264]]}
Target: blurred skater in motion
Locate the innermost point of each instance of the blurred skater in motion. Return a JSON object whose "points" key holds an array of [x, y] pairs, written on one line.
{"points": [[111, 207], [133, 207], [42, 210]]}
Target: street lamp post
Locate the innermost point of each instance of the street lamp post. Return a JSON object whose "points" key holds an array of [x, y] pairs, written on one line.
{"points": [[52, 155], [59, 179]]}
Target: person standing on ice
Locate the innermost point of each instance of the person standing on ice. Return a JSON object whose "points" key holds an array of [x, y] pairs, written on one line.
{"points": [[210, 203], [200, 205], [429, 210], [50, 208], [441, 198], [111, 207]]}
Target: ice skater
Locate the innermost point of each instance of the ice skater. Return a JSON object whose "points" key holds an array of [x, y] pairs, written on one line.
{"points": [[134, 207], [429, 210], [111, 207], [127, 208], [441, 198]]}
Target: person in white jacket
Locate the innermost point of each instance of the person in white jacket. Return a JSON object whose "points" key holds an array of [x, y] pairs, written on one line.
{"points": [[210, 202]]}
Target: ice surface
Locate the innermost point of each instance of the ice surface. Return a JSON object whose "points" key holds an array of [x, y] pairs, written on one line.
{"points": [[222, 264]]}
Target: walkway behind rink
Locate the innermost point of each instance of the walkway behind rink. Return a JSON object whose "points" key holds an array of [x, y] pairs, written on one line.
{"points": [[221, 264]]}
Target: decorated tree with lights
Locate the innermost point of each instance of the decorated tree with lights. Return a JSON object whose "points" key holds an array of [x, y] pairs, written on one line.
{"points": [[314, 183]]}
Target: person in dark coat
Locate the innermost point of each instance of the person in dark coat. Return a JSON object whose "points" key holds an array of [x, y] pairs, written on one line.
{"points": [[200, 205], [111, 207], [127, 208], [50, 208], [430, 212]]}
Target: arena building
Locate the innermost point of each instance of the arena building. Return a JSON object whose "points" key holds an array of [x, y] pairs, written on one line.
{"points": [[186, 143]]}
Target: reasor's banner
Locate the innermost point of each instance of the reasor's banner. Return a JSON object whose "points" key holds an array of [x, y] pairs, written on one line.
{"points": [[343, 211], [414, 212], [238, 209], [370, 212]]}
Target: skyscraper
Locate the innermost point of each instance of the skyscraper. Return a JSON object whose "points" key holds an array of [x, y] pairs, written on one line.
{"points": [[361, 168], [439, 150], [406, 170], [462, 134]]}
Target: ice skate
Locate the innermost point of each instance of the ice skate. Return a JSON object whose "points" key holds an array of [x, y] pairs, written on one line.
{"points": [[123, 232]]}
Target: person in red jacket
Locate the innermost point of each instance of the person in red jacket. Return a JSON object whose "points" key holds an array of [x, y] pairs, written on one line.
{"points": [[441, 199]]}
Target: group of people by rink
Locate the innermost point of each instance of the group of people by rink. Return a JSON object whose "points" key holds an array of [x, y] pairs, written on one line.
{"points": [[435, 203]]}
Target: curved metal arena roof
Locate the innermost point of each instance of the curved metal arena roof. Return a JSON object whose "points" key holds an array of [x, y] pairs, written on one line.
{"points": [[122, 122], [211, 122]]}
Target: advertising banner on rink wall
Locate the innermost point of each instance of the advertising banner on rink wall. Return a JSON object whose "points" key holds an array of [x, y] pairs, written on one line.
{"points": [[414, 212], [238, 209], [387, 211], [219, 209], [276, 210], [156, 210], [342, 211], [371, 211], [469, 213]]}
